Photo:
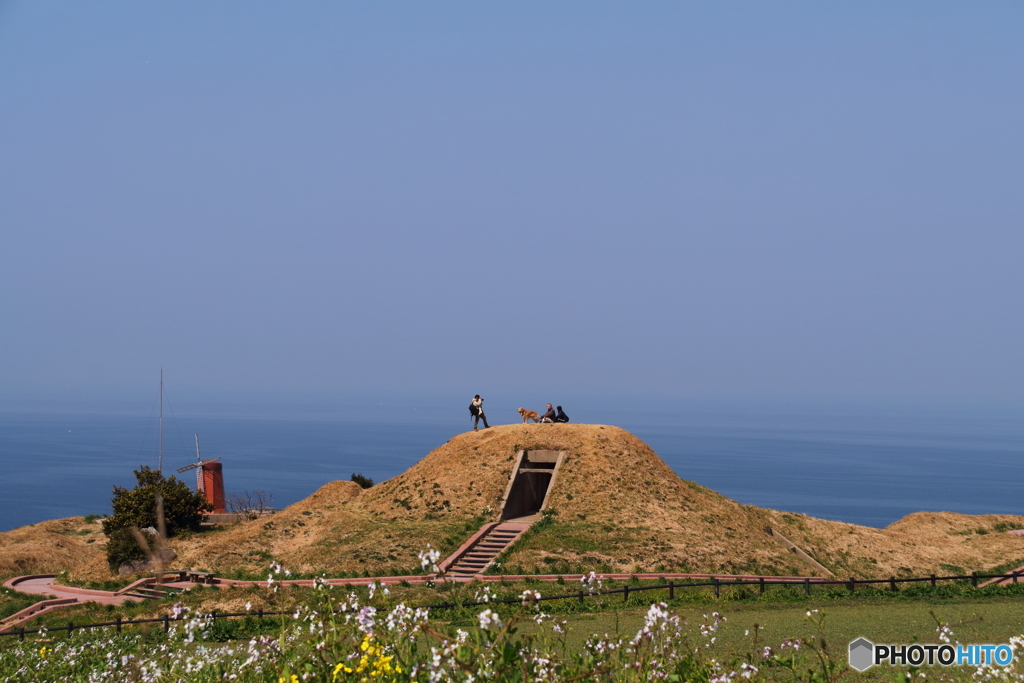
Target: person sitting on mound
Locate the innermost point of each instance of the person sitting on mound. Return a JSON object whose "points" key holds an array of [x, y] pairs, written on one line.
{"points": [[561, 416], [548, 416]]}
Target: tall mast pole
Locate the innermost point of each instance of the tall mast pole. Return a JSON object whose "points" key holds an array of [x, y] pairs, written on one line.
{"points": [[199, 469], [160, 461]]}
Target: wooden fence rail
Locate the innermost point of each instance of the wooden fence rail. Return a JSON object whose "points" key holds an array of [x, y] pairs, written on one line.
{"points": [[671, 587]]}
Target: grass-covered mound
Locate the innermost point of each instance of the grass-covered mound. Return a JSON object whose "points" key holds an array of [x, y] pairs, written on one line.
{"points": [[614, 506]]}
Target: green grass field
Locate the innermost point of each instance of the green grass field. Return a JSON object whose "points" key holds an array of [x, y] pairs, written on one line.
{"points": [[972, 622], [975, 617], [981, 621]]}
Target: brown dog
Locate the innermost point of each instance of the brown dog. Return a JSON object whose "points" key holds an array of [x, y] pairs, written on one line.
{"points": [[528, 415]]}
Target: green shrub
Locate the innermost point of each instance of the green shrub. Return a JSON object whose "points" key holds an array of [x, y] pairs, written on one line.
{"points": [[182, 511], [364, 482], [123, 548], [183, 507]]}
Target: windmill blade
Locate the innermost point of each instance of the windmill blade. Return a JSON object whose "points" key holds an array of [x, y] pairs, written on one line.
{"points": [[198, 467]]}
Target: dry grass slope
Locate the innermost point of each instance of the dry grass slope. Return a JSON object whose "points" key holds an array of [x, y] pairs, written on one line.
{"points": [[616, 507], [50, 547]]}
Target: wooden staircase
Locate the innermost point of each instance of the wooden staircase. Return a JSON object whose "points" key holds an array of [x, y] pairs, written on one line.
{"points": [[148, 589], [477, 554], [152, 592]]}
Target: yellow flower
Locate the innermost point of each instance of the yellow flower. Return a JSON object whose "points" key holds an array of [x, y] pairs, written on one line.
{"points": [[339, 668], [372, 661]]}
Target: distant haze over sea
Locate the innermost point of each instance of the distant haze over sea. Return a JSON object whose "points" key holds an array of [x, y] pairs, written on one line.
{"points": [[864, 465]]}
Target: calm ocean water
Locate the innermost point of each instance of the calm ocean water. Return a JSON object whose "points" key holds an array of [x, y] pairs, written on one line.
{"points": [[861, 467]]}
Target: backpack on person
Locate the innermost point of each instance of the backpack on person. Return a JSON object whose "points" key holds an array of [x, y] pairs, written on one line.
{"points": [[473, 410]]}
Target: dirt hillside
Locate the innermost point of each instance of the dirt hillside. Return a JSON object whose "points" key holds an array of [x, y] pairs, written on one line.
{"points": [[615, 506], [50, 547]]}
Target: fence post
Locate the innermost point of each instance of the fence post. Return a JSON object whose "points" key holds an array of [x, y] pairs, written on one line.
{"points": [[581, 598], [671, 590], [974, 579], [260, 613], [1014, 576], [21, 633], [760, 585], [853, 584], [625, 594], [892, 583], [717, 586], [933, 580], [167, 623], [807, 586], [118, 623], [71, 627]]}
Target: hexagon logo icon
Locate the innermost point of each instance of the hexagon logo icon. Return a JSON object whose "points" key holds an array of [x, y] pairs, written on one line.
{"points": [[862, 654]]}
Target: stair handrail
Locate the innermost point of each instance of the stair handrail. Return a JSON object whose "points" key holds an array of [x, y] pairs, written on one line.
{"points": [[15, 580], [32, 610], [135, 584]]}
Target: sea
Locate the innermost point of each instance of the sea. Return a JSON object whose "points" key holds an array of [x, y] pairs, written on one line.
{"points": [[863, 465]]}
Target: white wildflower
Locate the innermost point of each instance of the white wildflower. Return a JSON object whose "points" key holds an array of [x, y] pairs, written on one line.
{"points": [[489, 618], [429, 558]]}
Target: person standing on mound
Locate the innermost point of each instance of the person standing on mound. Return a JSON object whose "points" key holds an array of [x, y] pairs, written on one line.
{"points": [[477, 409]]}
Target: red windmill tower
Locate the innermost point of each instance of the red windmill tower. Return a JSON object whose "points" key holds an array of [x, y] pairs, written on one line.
{"points": [[209, 479]]}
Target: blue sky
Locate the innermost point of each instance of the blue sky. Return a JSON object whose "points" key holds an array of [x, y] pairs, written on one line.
{"points": [[696, 200]]}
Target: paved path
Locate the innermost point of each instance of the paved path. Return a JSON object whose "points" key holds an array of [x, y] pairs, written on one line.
{"points": [[45, 584], [1006, 581], [60, 597], [57, 597]]}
